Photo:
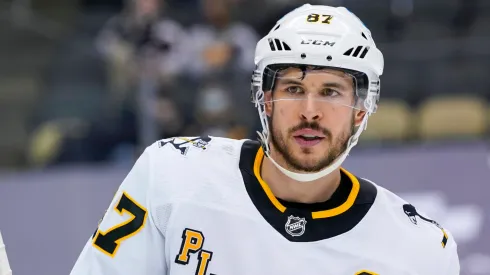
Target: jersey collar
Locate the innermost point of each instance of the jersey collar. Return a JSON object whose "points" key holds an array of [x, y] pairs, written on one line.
{"points": [[299, 222], [327, 213]]}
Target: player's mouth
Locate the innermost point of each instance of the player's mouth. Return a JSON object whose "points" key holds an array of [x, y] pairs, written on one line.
{"points": [[308, 137]]}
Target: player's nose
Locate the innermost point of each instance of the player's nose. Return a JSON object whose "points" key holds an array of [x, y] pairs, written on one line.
{"points": [[311, 110]]}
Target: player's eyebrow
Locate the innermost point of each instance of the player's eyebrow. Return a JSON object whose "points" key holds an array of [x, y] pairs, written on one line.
{"points": [[324, 85], [290, 81], [334, 85]]}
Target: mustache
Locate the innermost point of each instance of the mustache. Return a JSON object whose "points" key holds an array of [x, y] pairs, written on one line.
{"points": [[311, 125]]}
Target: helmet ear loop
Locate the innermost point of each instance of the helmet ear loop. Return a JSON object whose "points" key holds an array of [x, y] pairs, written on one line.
{"points": [[266, 132], [264, 136]]}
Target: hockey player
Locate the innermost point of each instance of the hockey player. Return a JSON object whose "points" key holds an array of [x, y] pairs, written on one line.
{"points": [[208, 205]]}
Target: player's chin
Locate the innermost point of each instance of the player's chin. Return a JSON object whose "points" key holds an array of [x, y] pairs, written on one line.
{"points": [[309, 155], [308, 163]]}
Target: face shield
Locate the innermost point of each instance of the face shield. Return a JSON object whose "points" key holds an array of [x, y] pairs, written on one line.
{"points": [[324, 86]]}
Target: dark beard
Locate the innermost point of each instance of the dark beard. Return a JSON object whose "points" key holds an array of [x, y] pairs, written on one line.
{"points": [[338, 148]]}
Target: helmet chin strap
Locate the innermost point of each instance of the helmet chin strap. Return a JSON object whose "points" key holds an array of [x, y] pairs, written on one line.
{"points": [[305, 177]]}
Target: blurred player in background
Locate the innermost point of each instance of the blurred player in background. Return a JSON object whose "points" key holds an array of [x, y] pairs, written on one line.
{"points": [[284, 205]]}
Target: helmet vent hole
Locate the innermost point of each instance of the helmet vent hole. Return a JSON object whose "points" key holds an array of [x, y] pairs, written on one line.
{"points": [[286, 47], [271, 44], [356, 52], [278, 45], [303, 55], [329, 58], [363, 54]]}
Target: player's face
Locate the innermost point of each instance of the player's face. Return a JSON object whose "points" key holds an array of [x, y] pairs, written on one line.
{"points": [[311, 117]]}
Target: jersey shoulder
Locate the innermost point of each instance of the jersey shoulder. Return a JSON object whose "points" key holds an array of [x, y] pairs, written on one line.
{"points": [[414, 220], [179, 163], [418, 230]]}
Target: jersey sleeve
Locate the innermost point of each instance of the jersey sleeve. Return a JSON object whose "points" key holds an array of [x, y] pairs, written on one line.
{"points": [[452, 266], [127, 240]]}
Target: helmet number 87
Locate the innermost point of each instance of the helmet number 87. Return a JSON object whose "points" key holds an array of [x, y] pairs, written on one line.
{"points": [[315, 18]]}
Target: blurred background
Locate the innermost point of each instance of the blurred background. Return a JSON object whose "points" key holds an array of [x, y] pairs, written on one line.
{"points": [[85, 85]]}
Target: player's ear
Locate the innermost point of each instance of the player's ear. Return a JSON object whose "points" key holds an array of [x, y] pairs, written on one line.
{"points": [[268, 103], [358, 117]]}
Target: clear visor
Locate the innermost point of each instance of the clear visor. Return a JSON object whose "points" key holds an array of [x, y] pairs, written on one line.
{"points": [[320, 85]]}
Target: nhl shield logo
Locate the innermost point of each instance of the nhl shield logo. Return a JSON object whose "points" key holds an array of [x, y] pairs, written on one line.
{"points": [[295, 226]]}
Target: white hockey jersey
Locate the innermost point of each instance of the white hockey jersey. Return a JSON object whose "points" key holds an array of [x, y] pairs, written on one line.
{"points": [[199, 206]]}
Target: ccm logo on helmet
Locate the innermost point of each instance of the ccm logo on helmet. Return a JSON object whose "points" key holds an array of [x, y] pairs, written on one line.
{"points": [[318, 42]]}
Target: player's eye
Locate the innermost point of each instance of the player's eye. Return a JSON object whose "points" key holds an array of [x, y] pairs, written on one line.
{"points": [[330, 92], [294, 89]]}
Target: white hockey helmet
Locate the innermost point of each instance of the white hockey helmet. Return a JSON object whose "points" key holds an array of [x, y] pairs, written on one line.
{"points": [[319, 36]]}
